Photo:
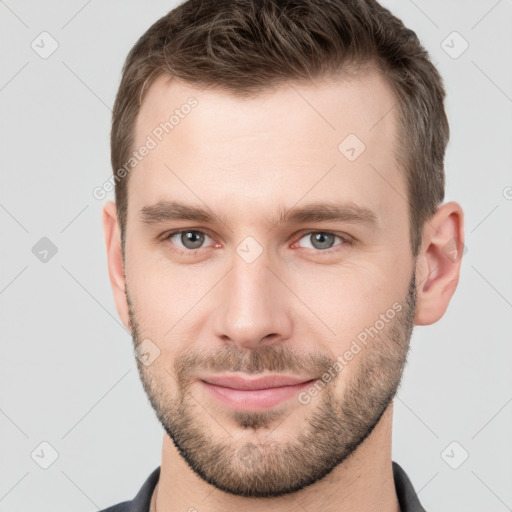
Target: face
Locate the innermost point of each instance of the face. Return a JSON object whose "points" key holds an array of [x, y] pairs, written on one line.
{"points": [[262, 241]]}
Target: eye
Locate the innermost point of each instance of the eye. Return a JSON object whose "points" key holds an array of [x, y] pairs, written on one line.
{"points": [[187, 239], [322, 240]]}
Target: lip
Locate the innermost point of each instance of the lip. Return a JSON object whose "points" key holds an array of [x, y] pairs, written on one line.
{"points": [[254, 394]]}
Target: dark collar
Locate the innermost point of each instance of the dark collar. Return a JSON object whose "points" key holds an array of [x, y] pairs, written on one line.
{"points": [[405, 492]]}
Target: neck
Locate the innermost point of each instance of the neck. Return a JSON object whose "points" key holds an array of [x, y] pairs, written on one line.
{"points": [[364, 481]]}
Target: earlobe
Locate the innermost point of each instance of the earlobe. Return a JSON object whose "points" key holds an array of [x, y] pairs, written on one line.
{"points": [[116, 270], [438, 264]]}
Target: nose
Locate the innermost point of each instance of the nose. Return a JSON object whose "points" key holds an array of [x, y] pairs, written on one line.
{"points": [[253, 307]]}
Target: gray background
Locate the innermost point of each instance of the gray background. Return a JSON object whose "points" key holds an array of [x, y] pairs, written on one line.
{"points": [[68, 376]]}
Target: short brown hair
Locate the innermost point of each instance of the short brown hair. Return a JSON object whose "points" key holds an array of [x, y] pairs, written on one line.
{"points": [[247, 46]]}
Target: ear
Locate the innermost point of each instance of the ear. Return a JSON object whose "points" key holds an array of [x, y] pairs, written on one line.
{"points": [[438, 264], [116, 272]]}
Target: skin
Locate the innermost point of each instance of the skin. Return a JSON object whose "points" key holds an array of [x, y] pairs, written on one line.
{"points": [[294, 309]]}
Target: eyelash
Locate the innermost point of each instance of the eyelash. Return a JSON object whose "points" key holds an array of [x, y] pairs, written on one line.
{"points": [[346, 239]]}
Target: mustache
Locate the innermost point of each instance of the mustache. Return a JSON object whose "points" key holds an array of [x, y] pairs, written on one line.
{"points": [[275, 358]]}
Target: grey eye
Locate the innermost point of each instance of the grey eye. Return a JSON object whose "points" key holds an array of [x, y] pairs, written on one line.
{"points": [[320, 240], [191, 239]]}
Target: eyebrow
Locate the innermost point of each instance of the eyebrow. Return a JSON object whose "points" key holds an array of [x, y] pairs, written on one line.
{"points": [[165, 211]]}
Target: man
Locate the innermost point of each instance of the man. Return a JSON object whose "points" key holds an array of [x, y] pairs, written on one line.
{"points": [[278, 231]]}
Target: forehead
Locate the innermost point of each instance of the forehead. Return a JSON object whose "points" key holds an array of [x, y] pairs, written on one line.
{"points": [[332, 139]]}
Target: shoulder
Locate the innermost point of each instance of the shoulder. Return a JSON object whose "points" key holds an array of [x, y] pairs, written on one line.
{"points": [[143, 498], [125, 506]]}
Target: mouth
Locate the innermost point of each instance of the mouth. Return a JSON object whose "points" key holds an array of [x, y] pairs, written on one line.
{"points": [[254, 394]]}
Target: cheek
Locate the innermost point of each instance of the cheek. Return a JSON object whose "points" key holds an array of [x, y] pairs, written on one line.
{"points": [[164, 293], [346, 300]]}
